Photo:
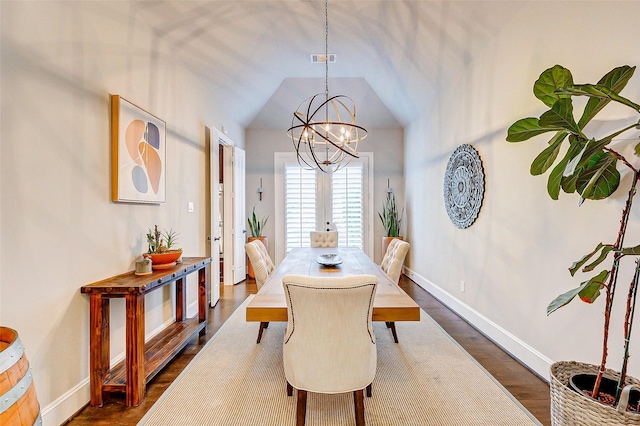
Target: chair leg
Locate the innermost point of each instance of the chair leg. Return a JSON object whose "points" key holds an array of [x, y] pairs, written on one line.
{"points": [[358, 401], [392, 325], [289, 389], [301, 407], [263, 325], [369, 390]]}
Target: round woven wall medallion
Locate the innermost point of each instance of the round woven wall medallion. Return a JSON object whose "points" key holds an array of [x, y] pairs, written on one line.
{"points": [[463, 186]]}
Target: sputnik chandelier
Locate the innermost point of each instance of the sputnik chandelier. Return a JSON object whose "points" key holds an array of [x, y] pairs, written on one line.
{"points": [[321, 138]]}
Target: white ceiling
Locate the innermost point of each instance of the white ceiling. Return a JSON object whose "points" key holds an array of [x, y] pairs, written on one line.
{"points": [[391, 55]]}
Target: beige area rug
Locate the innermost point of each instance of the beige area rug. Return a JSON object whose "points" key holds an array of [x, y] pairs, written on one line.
{"points": [[426, 379]]}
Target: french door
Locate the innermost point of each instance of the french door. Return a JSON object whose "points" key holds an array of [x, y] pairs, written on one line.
{"points": [[309, 200]]}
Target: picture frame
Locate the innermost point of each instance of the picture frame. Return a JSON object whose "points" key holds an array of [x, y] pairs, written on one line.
{"points": [[138, 154]]}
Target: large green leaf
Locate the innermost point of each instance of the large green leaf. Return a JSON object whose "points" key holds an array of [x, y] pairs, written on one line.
{"points": [[588, 291], [556, 176], [545, 159], [527, 128], [616, 80], [603, 255], [578, 264], [560, 116], [636, 150], [633, 251], [599, 180], [600, 92], [551, 80]]}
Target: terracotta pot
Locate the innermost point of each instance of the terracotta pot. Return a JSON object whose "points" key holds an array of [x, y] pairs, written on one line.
{"points": [[265, 241], [165, 259], [385, 243]]}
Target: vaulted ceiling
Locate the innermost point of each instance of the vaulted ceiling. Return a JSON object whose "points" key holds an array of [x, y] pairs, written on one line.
{"points": [[392, 56]]}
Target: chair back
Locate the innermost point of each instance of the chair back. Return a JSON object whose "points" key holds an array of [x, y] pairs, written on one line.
{"points": [[324, 238], [261, 262], [394, 259], [329, 344]]}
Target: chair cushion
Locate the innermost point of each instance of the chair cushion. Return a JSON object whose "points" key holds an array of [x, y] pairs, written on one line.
{"points": [[262, 264], [324, 238], [329, 345], [394, 259]]}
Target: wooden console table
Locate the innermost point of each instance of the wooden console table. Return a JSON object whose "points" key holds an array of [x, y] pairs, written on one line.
{"points": [[141, 364]]}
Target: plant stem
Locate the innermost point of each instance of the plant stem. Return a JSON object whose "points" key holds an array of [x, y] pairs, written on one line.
{"points": [[621, 158], [611, 288], [628, 324]]}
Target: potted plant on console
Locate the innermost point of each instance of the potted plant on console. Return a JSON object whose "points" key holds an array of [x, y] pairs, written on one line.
{"points": [[391, 220], [589, 168], [256, 227], [161, 251]]}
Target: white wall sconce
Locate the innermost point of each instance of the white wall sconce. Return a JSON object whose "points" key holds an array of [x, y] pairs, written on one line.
{"points": [[260, 190]]}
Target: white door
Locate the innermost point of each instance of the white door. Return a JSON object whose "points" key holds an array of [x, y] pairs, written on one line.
{"points": [[239, 217], [216, 138]]}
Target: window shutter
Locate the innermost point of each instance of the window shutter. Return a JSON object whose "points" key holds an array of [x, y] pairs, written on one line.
{"points": [[300, 206], [348, 205]]}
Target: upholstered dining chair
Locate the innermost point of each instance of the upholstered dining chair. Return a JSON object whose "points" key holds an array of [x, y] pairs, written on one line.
{"points": [[324, 238], [329, 345], [263, 268], [392, 266]]}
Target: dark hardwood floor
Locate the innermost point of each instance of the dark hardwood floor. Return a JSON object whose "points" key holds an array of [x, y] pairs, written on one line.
{"points": [[529, 389]]}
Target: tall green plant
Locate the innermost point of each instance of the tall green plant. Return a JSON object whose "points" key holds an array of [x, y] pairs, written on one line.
{"points": [[390, 216], [589, 168], [256, 225]]}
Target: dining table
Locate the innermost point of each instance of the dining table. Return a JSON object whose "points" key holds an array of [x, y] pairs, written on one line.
{"points": [[391, 303]]}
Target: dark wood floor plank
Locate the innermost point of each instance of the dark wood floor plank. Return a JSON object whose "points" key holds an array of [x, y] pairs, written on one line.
{"points": [[531, 391]]}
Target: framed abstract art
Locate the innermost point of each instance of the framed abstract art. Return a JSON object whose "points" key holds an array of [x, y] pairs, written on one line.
{"points": [[138, 154]]}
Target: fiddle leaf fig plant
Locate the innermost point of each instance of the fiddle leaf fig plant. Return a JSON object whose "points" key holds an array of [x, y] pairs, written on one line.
{"points": [[589, 167]]}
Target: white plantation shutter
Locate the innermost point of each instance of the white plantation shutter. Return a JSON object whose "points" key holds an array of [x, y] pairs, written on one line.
{"points": [[347, 198], [299, 206]]}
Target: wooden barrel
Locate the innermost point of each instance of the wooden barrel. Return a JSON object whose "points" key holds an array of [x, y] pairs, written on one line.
{"points": [[18, 400]]}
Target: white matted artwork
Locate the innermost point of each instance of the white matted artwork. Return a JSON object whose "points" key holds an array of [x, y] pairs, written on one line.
{"points": [[138, 154]]}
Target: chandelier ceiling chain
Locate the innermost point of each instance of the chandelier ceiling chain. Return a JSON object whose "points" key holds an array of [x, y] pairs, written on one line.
{"points": [[329, 143]]}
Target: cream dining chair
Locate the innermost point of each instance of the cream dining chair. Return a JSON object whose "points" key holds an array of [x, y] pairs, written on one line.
{"points": [[324, 238], [263, 268], [392, 266], [329, 345]]}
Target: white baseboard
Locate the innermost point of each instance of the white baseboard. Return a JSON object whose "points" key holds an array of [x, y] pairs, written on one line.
{"points": [[69, 403], [525, 354]]}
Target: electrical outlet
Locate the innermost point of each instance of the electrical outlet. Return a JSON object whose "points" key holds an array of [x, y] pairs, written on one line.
{"points": [[462, 286]]}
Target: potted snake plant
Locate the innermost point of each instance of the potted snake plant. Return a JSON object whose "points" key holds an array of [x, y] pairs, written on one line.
{"points": [[391, 219], [589, 168], [256, 228]]}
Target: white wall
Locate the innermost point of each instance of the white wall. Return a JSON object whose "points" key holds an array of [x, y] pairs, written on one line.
{"points": [[59, 229], [514, 258], [387, 148]]}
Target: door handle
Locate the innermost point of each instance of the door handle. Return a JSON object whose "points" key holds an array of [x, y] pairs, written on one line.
{"points": [[216, 239]]}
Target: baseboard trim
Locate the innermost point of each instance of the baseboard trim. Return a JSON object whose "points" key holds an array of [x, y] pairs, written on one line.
{"points": [[521, 351]]}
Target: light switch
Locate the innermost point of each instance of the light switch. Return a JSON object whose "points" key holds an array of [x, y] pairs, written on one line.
{"points": [[190, 206]]}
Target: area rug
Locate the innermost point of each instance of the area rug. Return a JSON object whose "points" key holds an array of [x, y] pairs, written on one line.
{"points": [[426, 379]]}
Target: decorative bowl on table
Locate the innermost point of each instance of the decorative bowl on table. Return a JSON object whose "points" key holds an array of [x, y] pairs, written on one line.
{"points": [[329, 259], [164, 260]]}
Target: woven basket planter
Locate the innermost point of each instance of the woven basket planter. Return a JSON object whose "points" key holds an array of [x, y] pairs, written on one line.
{"points": [[569, 408]]}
